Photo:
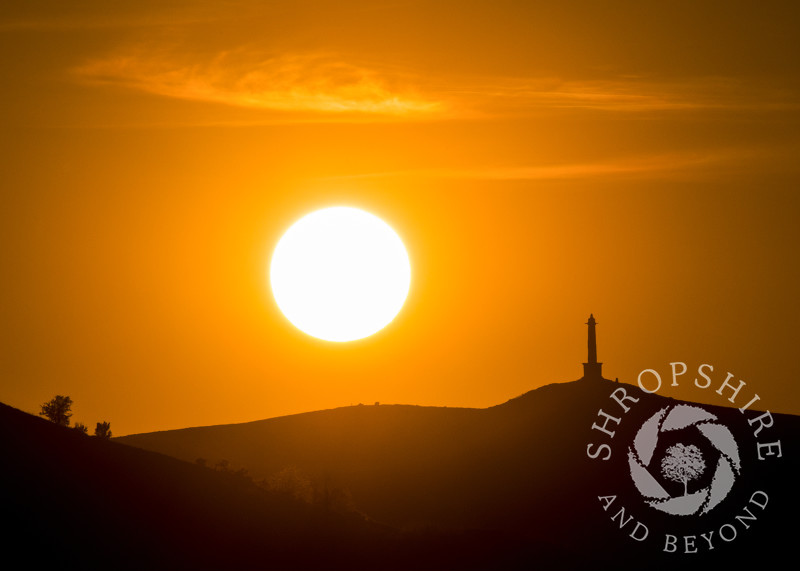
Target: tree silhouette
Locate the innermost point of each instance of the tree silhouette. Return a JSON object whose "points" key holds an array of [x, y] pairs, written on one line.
{"points": [[58, 410], [103, 430], [683, 463], [80, 427], [331, 497], [292, 482]]}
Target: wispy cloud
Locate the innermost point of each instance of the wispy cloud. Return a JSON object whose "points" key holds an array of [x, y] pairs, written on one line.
{"points": [[629, 95], [320, 83], [689, 164], [325, 86]]}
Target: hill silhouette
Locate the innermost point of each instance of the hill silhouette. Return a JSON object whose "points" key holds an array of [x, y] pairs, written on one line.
{"points": [[510, 486], [74, 501], [519, 468], [78, 502]]}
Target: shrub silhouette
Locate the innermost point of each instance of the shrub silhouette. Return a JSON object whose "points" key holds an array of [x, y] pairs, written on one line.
{"points": [[292, 482], [103, 430], [58, 410], [332, 497], [80, 427]]}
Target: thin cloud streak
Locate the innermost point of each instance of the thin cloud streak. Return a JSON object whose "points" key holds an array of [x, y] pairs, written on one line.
{"points": [[321, 86], [521, 96], [695, 165], [286, 83]]}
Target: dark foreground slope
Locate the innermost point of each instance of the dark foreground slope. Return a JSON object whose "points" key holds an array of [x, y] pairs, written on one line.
{"points": [[519, 470], [501, 488], [72, 501], [75, 501]]}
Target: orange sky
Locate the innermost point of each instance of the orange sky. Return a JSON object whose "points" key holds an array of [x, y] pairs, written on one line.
{"points": [[541, 161]]}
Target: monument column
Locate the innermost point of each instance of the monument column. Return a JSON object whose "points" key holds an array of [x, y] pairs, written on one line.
{"points": [[592, 369]]}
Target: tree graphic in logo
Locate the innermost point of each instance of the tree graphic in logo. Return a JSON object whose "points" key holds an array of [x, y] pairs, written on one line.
{"points": [[683, 463]]}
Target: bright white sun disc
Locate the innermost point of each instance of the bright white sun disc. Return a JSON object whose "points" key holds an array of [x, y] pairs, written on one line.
{"points": [[340, 274]]}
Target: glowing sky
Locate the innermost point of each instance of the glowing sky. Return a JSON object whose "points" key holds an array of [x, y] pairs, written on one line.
{"points": [[540, 161]]}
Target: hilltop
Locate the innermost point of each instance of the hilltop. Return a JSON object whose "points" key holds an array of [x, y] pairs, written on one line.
{"points": [[520, 467], [427, 487]]}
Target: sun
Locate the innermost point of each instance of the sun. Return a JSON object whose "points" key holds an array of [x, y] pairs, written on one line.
{"points": [[340, 274]]}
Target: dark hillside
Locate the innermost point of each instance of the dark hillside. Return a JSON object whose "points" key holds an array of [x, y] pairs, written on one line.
{"points": [[519, 469], [506, 487], [89, 503]]}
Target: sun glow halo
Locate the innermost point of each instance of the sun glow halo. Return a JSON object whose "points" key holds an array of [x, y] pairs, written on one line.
{"points": [[340, 274]]}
